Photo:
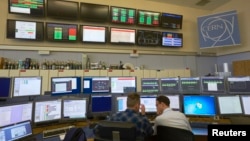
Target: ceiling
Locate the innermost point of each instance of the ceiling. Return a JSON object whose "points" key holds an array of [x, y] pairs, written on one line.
{"points": [[199, 4]]}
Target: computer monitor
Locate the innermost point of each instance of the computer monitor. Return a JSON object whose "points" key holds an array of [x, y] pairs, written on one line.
{"points": [[16, 131], [229, 105], [65, 85], [190, 85], [150, 85], [27, 86], [74, 108], [199, 105], [47, 111], [149, 101], [169, 85], [123, 84], [5, 87], [120, 103], [213, 85], [238, 85], [245, 100], [101, 105], [175, 103], [11, 114], [96, 84]]}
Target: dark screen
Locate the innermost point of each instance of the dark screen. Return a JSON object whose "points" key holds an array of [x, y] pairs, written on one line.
{"points": [[238, 84], [172, 21], [148, 38], [169, 85], [150, 85], [94, 12], [190, 85]]}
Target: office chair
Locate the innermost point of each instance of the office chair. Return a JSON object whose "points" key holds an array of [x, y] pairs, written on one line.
{"points": [[115, 131], [166, 133]]}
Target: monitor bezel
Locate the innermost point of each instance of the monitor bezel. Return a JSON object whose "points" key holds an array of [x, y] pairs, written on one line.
{"points": [[242, 104], [228, 114]]}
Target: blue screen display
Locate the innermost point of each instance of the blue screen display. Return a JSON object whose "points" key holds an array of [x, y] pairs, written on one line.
{"points": [[199, 105], [101, 103], [65, 85], [5, 87]]}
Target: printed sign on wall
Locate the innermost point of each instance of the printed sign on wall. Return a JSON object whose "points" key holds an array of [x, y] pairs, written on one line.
{"points": [[219, 30]]}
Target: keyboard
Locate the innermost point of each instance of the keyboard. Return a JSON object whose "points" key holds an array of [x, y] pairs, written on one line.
{"points": [[200, 124], [56, 132]]}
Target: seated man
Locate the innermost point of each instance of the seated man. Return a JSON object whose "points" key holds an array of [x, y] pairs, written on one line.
{"points": [[131, 114], [168, 117]]}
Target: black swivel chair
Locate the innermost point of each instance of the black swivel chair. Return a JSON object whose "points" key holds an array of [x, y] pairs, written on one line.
{"points": [[166, 133], [107, 130]]}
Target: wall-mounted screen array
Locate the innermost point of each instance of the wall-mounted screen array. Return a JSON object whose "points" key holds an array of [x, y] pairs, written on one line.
{"points": [[199, 105], [122, 15], [213, 85], [229, 105], [11, 114], [148, 38], [96, 85], [62, 32], [171, 21], [47, 110], [5, 87], [94, 34], [27, 30], [148, 18], [123, 84], [190, 85], [27, 86], [238, 85], [65, 85], [30, 7], [150, 85], [101, 104], [122, 35], [94, 12], [62, 9], [170, 39], [169, 85], [75, 108]]}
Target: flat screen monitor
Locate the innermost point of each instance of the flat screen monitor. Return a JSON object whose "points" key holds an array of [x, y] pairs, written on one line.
{"points": [[175, 103], [25, 30], [11, 114], [63, 9], [148, 38], [16, 131], [122, 35], [245, 100], [74, 108], [5, 87], [122, 15], [27, 86], [123, 84], [171, 39], [30, 7], [94, 34], [171, 21], [213, 85], [65, 85], [199, 105], [94, 12], [170, 85], [62, 32], [96, 85], [150, 85], [229, 105], [190, 85], [149, 101], [101, 104], [47, 111], [148, 18], [121, 103], [238, 85]]}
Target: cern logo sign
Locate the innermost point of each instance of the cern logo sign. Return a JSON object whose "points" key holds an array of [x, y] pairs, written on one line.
{"points": [[219, 30]]}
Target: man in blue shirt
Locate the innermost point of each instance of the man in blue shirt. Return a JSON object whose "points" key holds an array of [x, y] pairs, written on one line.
{"points": [[132, 114]]}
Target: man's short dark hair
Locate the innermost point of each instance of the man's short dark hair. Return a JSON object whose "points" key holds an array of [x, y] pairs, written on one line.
{"points": [[163, 99], [133, 99]]}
